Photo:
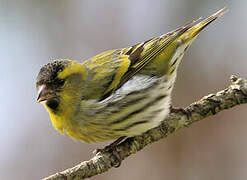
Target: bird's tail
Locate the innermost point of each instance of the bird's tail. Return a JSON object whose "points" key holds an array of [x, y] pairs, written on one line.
{"points": [[195, 29]]}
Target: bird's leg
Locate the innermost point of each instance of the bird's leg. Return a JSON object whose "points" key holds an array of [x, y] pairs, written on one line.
{"points": [[112, 148], [114, 143], [177, 110], [180, 110]]}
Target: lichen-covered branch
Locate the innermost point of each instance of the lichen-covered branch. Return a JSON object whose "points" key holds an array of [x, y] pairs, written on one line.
{"points": [[209, 105]]}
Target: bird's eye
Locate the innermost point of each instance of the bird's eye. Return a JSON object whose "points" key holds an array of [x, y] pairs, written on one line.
{"points": [[61, 82]]}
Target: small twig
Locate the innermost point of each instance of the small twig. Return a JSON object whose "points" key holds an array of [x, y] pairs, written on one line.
{"points": [[209, 105]]}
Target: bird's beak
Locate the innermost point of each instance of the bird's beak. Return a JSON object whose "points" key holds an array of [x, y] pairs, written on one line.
{"points": [[42, 93]]}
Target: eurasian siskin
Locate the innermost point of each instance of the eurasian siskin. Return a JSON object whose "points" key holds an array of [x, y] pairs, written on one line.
{"points": [[122, 92]]}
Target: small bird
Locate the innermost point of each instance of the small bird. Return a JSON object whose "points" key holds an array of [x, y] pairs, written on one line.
{"points": [[118, 93]]}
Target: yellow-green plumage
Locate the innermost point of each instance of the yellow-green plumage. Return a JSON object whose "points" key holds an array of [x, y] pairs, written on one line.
{"points": [[122, 92]]}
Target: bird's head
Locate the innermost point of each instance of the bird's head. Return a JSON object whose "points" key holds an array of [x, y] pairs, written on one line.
{"points": [[59, 82]]}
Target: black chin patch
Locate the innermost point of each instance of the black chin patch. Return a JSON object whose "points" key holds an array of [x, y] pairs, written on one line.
{"points": [[53, 104]]}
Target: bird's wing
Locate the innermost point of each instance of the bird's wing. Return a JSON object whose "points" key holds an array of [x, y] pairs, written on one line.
{"points": [[112, 69], [104, 72]]}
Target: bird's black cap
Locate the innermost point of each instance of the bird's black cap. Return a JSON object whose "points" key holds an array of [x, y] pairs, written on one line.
{"points": [[48, 73]]}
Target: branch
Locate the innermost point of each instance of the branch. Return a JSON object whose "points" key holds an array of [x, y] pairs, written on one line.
{"points": [[209, 105]]}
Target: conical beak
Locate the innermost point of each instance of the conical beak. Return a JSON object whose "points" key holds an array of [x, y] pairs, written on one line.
{"points": [[42, 93]]}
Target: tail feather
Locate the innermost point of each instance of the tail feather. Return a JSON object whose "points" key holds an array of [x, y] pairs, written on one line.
{"points": [[186, 39], [194, 31]]}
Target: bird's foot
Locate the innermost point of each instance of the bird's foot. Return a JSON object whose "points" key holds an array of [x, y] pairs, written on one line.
{"points": [[178, 110], [112, 148]]}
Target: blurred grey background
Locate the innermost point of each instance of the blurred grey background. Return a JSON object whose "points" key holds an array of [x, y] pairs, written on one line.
{"points": [[34, 32]]}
